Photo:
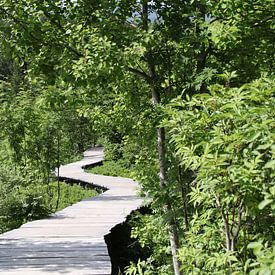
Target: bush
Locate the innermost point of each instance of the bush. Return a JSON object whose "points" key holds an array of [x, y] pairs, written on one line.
{"points": [[226, 138], [22, 200], [23, 204], [19, 201]]}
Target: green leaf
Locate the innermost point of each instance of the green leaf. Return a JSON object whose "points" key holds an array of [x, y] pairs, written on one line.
{"points": [[264, 203], [254, 136], [270, 164]]}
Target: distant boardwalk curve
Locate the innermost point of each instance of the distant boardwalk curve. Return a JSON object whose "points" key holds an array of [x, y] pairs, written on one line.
{"points": [[71, 241]]}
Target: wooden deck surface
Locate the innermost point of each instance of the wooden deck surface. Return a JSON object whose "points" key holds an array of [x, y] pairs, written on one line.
{"points": [[71, 241]]}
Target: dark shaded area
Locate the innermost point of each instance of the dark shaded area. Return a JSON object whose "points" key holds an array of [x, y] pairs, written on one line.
{"points": [[92, 165], [122, 248], [85, 184]]}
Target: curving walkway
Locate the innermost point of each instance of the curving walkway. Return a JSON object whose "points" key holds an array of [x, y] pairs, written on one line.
{"points": [[71, 241]]}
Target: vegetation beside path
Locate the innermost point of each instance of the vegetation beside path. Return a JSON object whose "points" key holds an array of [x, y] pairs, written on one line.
{"points": [[24, 200], [115, 168]]}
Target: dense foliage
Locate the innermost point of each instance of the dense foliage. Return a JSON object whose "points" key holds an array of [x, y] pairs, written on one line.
{"points": [[40, 130], [226, 140], [25, 199], [182, 91]]}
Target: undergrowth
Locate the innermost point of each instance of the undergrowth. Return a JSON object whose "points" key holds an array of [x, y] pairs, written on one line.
{"points": [[70, 194], [23, 203], [115, 168]]}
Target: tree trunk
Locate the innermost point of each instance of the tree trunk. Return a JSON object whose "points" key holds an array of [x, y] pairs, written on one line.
{"points": [[151, 80], [173, 234], [184, 192], [58, 179]]}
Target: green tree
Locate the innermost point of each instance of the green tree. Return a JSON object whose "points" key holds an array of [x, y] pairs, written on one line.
{"points": [[129, 59]]}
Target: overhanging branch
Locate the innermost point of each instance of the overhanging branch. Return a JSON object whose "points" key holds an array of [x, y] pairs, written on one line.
{"points": [[141, 74]]}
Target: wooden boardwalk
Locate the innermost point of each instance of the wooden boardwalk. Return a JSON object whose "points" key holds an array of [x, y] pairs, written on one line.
{"points": [[71, 241]]}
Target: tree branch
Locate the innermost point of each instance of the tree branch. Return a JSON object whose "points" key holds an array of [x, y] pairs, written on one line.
{"points": [[226, 224], [141, 74]]}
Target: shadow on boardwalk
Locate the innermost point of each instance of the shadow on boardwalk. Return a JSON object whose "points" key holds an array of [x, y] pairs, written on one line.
{"points": [[63, 257]]}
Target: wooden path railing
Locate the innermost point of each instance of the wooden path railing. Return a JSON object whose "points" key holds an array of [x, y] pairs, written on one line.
{"points": [[71, 241]]}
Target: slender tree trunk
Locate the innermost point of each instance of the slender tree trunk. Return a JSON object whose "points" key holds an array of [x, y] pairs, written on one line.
{"points": [[58, 166], [184, 191], [173, 234], [25, 152], [48, 175]]}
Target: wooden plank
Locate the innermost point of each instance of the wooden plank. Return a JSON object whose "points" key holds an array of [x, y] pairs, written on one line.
{"points": [[72, 240], [52, 270]]}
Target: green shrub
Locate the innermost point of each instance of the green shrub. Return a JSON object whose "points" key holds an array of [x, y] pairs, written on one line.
{"points": [[22, 204], [22, 200], [19, 200], [226, 138]]}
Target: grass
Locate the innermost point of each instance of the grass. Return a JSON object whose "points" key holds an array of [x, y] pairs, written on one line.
{"points": [[70, 194], [111, 168]]}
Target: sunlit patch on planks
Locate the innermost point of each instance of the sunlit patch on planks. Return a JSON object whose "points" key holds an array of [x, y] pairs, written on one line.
{"points": [[72, 240]]}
